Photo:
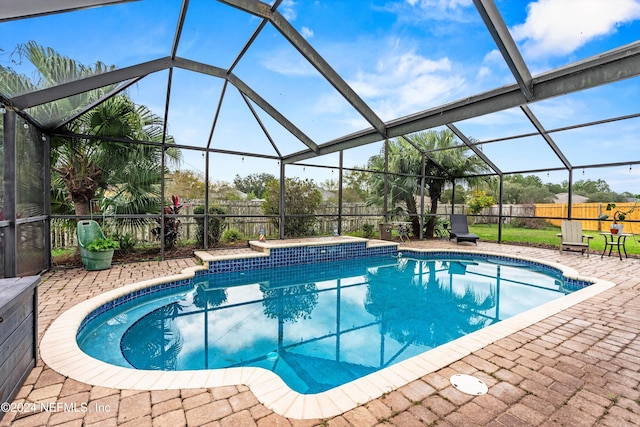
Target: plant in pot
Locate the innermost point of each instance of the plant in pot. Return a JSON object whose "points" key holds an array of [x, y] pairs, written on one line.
{"points": [[618, 215], [101, 253]]}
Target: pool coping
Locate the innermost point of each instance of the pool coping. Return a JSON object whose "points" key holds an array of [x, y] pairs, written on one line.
{"points": [[60, 351]]}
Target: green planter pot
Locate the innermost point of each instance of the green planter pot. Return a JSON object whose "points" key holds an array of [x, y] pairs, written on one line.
{"points": [[97, 260]]}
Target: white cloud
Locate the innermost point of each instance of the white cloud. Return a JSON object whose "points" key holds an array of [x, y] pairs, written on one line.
{"points": [[493, 66], [288, 63], [306, 32], [440, 4], [398, 83], [559, 27], [406, 82], [493, 57], [439, 10], [287, 10], [483, 72]]}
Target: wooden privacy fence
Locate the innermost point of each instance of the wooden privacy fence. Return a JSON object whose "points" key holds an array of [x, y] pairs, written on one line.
{"points": [[554, 213], [588, 211]]}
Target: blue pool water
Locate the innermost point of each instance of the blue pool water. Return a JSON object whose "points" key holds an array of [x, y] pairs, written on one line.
{"points": [[317, 326]]}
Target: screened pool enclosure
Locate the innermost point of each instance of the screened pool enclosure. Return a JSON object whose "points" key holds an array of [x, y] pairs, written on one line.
{"points": [[185, 97]]}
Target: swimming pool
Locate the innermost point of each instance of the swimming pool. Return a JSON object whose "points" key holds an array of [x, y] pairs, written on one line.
{"points": [[319, 326], [59, 349]]}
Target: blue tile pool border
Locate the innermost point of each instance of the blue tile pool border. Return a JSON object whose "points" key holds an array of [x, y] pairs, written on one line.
{"points": [[569, 283], [311, 254], [132, 296]]}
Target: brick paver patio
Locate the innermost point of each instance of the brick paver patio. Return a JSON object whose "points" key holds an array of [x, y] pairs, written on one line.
{"points": [[580, 367]]}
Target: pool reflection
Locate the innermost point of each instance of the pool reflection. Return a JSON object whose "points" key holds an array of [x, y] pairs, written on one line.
{"points": [[337, 322]]}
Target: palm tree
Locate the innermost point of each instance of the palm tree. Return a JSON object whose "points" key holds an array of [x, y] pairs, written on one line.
{"points": [[125, 175], [88, 168], [404, 165], [443, 162], [458, 163], [51, 69]]}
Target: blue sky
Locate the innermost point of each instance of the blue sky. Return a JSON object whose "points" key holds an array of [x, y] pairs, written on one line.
{"points": [[400, 57]]}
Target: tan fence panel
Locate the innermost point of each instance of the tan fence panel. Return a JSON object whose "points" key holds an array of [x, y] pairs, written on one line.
{"points": [[551, 210], [590, 211]]}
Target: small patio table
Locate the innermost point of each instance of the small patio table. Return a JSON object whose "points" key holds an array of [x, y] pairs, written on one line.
{"points": [[617, 241]]}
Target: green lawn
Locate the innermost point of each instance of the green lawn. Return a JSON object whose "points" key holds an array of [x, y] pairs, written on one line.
{"points": [[546, 236]]}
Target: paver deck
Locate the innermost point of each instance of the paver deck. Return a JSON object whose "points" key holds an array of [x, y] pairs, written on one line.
{"points": [[579, 367]]}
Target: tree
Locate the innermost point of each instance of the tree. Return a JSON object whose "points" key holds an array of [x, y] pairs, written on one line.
{"points": [[605, 197], [460, 195], [51, 69], [403, 180], [255, 183], [350, 195], [330, 188], [558, 188], [446, 164], [598, 191], [188, 184], [524, 180], [353, 187], [330, 185], [127, 176], [356, 184], [301, 199], [443, 163], [520, 194], [585, 188], [223, 190], [83, 169], [478, 200], [519, 189]]}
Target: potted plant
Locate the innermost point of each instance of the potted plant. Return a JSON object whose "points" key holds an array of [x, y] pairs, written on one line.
{"points": [[100, 253], [618, 215]]}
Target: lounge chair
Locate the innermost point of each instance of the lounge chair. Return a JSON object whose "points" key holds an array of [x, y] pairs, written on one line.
{"points": [[460, 230], [572, 237]]}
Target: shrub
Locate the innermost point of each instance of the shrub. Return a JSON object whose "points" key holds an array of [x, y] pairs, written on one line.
{"points": [[232, 235], [531, 223], [126, 241], [171, 225], [368, 230], [478, 200], [301, 199], [215, 225]]}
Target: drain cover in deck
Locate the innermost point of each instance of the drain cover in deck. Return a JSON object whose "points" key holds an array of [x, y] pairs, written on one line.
{"points": [[468, 384]]}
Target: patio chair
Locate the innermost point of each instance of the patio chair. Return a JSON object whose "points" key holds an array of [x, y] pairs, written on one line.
{"points": [[460, 229], [572, 237]]}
